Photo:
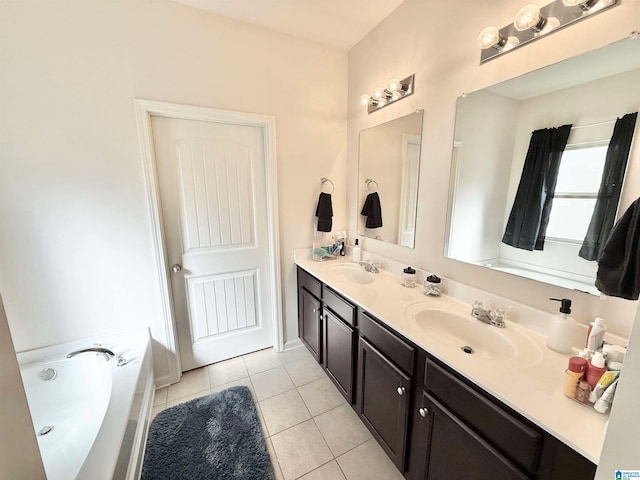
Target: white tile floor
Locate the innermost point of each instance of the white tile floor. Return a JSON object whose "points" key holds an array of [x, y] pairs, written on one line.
{"points": [[311, 432]]}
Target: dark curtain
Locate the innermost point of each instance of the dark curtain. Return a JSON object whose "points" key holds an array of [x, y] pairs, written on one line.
{"points": [[604, 212], [529, 215]]}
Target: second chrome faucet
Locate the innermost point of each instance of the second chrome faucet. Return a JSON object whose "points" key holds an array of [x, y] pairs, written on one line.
{"points": [[494, 317]]}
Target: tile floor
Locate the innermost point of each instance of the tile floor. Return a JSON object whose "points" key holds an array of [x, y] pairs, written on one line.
{"points": [[311, 432]]}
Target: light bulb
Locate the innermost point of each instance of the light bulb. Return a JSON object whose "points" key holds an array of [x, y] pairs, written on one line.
{"points": [[571, 3], [378, 93], [396, 95], [364, 98], [527, 17], [552, 23], [598, 6], [393, 84], [512, 42], [489, 37], [382, 102]]}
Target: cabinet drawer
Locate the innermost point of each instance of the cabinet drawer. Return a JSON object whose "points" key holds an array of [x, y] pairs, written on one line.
{"points": [[311, 283], [339, 305], [512, 437], [388, 343]]}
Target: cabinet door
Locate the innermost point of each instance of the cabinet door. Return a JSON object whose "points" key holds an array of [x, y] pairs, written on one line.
{"points": [[454, 451], [338, 353], [309, 323], [383, 401]]}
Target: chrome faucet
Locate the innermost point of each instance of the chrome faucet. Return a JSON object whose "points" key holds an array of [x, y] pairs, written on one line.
{"points": [[492, 317], [369, 266], [105, 352]]}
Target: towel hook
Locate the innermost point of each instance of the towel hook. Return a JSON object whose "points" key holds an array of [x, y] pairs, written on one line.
{"points": [[369, 181], [324, 180]]}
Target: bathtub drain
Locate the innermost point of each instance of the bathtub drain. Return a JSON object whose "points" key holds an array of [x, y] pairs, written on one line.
{"points": [[44, 430], [48, 374]]}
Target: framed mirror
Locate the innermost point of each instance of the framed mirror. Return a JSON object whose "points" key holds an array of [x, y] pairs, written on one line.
{"points": [[388, 168], [494, 133]]}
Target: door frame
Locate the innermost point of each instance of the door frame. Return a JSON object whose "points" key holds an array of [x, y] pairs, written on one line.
{"points": [[144, 109]]}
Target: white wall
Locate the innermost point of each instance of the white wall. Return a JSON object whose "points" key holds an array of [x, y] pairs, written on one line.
{"points": [[412, 40], [75, 249], [19, 452]]}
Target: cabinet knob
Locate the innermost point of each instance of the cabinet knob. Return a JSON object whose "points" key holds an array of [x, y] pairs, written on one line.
{"points": [[401, 390], [423, 412], [315, 310]]}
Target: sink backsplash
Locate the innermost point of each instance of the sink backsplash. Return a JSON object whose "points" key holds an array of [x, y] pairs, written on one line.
{"points": [[524, 315]]}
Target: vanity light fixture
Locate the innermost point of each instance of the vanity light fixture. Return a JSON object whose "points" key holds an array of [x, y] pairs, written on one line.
{"points": [[532, 22], [381, 97]]}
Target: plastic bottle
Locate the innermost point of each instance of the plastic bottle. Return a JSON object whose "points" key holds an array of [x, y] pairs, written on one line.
{"points": [[604, 402], [595, 337], [595, 369], [355, 251], [562, 328]]}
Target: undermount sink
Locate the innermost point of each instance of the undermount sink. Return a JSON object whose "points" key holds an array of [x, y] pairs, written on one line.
{"points": [[350, 273], [477, 339]]}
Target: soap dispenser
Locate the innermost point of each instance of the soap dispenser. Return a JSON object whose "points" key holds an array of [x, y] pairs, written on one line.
{"points": [[562, 328]]}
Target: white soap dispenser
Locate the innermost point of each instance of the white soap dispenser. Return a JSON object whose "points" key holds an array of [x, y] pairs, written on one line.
{"points": [[562, 328]]}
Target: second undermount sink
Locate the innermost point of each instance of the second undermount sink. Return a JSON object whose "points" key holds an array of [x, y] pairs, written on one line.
{"points": [[350, 273], [475, 338]]}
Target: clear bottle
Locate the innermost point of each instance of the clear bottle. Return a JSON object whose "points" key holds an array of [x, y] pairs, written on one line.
{"points": [[562, 328], [408, 277]]}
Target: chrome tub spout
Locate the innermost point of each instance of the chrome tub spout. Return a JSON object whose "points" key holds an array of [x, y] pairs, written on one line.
{"points": [[105, 352]]}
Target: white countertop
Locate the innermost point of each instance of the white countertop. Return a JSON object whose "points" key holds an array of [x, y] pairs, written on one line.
{"points": [[532, 386]]}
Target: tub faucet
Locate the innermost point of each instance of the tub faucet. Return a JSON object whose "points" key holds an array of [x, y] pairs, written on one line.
{"points": [[105, 352], [492, 317]]}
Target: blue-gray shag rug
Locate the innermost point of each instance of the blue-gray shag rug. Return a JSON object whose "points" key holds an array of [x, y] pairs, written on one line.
{"points": [[217, 437]]}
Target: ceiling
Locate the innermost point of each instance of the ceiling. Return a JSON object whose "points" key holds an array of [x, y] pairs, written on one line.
{"points": [[335, 23]]}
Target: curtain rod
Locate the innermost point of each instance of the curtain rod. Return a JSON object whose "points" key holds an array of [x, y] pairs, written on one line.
{"points": [[597, 124]]}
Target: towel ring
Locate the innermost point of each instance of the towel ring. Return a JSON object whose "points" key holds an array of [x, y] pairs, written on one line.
{"points": [[368, 183], [324, 180]]}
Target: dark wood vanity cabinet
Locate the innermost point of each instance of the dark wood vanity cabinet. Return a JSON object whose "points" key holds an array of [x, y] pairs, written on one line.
{"points": [[433, 423], [385, 366], [310, 313], [326, 323], [339, 339]]}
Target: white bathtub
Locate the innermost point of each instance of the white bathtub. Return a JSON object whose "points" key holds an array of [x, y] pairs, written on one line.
{"points": [[99, 411]]}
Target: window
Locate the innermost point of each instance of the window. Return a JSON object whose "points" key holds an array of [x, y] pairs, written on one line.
{"points": [[576, 192]]}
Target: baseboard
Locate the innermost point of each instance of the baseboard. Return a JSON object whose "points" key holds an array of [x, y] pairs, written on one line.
{"points": [[163, 381], [291, 344]]}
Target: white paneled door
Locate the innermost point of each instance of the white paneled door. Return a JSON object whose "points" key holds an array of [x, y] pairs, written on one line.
{"points": [[212, 181]]}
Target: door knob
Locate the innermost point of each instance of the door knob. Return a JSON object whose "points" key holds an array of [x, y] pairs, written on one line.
{"points": [[175, 268], [400, 390], [423, 412]]}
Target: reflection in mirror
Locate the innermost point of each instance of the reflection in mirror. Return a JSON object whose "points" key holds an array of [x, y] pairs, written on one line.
{"points": [[389, 164], [494, 134]]}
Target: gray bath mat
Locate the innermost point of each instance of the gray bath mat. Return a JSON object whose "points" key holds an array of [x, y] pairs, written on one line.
{"points": [[217, 437]]}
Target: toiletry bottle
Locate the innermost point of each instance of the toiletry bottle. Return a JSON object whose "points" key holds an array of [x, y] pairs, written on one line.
{"points": [[604, 402], [562, 328], [595, 338], [595, 369], [574, 374], [355, 251], [408, 277]]}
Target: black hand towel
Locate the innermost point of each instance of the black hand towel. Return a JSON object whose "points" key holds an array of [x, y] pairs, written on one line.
{"points": [[619, 266], [324, 212], [372, 210]]}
